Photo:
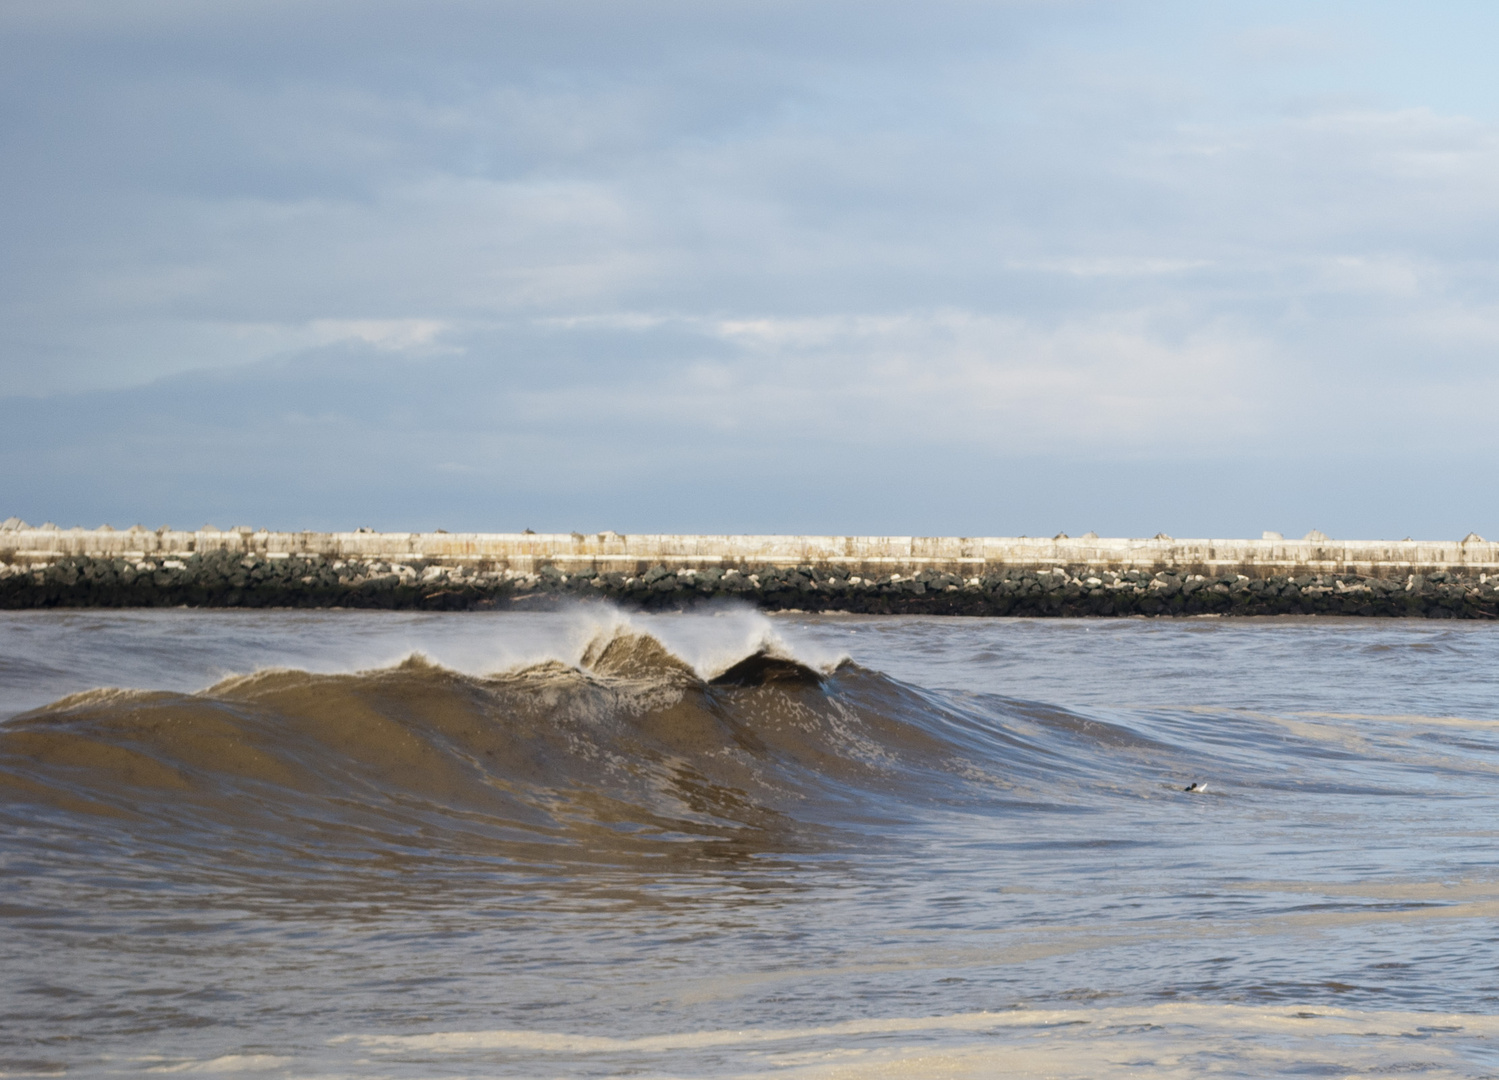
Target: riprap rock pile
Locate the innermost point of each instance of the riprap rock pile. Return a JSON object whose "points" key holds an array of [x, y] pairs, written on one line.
{"points": [[229, 579]]}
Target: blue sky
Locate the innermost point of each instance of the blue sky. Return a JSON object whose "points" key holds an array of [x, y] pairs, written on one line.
{"points": [[956, 268]]}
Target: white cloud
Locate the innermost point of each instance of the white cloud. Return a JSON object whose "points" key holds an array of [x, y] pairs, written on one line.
{"points": [[1113, 266], [948, 378], [398, 335], [1374, 275], [1290, 43]]}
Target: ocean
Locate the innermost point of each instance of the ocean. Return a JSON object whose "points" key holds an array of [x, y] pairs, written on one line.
{"points": [[592, 843]]}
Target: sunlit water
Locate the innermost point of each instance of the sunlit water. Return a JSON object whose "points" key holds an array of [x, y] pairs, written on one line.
{"points": [[942, 847]]}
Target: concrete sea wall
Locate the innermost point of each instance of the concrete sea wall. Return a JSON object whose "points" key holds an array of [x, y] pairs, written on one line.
{"points": [[50, 567]]}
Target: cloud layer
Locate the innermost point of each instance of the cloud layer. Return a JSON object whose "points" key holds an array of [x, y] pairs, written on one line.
{"points": [[771, 267]]}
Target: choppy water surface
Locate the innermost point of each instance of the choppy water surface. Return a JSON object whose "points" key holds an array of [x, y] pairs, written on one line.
{"points": [[333, 844]]}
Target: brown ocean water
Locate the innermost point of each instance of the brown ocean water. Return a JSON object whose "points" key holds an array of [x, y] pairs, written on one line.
{"points": [[587, 844]]}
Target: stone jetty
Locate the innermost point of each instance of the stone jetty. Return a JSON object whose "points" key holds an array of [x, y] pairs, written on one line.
{"points": [[45, 567]]}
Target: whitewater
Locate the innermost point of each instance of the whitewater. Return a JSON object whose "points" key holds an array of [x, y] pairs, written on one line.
{"points": [[720, 844]]}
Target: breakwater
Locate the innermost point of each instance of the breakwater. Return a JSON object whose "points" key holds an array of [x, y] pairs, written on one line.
{"points": [[50, 567]]}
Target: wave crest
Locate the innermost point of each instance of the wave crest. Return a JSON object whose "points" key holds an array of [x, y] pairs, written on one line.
{"points": [[627, 752]]}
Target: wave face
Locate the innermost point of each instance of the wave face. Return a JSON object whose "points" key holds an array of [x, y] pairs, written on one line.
{"points": [[629, 753]]}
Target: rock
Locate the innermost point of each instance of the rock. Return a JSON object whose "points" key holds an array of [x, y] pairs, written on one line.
{"points": [[219, 578]]}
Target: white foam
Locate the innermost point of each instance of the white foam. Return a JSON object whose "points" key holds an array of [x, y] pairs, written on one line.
{"points": [[227, 1063], [710, 640], [714, 639], [459, 1041], [1165, 1040]]}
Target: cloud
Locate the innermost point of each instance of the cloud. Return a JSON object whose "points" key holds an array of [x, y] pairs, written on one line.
{"points": [[954, 379], [1289, 43], [1113, 266], [354, 434], [633, 235]]}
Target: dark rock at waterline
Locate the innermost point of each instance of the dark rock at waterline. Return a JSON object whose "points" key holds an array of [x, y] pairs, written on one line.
{"points": [[224, 579]]}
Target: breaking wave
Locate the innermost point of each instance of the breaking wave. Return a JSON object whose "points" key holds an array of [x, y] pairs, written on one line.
{"points": [[631, 752]]}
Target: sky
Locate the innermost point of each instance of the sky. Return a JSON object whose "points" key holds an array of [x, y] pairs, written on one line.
{"points": [[957, 268]]}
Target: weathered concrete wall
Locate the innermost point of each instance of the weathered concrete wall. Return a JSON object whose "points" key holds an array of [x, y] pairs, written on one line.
{"points": [[610, 552], [1020, 576]]}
